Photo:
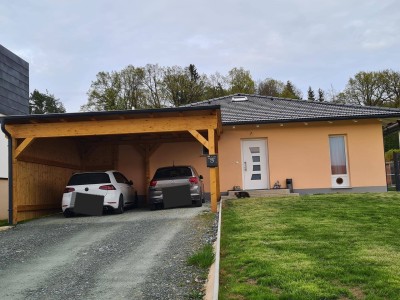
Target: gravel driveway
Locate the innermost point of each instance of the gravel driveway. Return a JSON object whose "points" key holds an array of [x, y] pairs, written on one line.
{"points": [[138, 255]]}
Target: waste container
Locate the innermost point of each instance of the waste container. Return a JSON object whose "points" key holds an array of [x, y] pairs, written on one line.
{"points": [[289, 184]]}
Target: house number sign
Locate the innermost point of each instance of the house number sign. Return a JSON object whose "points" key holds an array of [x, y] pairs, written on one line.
{"points": [[212, 161]]}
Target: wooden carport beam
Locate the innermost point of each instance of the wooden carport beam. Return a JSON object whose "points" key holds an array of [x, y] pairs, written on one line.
{"points": [[25, 143], [147, 150], [200, 138], [112, 127]]}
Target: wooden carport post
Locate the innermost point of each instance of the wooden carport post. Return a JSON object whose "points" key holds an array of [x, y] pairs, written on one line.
{"points": [[147, 150], [214, 172], [15, 175], [212, 146]]}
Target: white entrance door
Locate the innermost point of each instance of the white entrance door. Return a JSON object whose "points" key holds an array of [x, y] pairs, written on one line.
{"points": [[254, 164]]}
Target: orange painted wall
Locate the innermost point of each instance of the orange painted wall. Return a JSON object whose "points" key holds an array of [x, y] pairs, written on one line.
{"points": [[296, 151], [301, 152], [131, 164]]}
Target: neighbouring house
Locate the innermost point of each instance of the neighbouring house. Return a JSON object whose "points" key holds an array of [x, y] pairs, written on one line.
{"points": [[14, 100], [319, 147]]}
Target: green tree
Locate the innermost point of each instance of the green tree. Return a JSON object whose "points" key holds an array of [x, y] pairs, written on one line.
{"points": [[366, 88], [117, 90], [103, 92], [290, 91], [391, 85], [132, 92], [310, 93], [183, 85], [377, 88], [321, 95], [43, 103], [270, 87], [240, 81]]}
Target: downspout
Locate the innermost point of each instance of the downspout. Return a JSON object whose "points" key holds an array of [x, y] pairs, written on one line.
{"points": [[10, 173]]}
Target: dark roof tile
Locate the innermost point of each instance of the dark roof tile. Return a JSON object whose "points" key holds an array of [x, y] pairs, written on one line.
{"points": [[263, 109]]}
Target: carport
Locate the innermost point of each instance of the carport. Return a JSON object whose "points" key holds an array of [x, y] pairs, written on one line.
{"points": [[44, 150]]}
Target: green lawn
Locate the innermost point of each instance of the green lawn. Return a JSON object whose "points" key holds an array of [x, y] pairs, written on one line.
{"points": [[311, 247], [3, 222]]}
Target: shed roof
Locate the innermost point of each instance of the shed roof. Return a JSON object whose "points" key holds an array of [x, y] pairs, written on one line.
{"points": [[266, 109]]}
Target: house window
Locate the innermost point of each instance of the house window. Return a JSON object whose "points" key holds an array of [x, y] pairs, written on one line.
{"points": [[204, 151], [339, 163], [338, 155]]}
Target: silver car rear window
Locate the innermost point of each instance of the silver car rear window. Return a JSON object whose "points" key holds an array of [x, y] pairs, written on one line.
{"points": [[172, 172]]}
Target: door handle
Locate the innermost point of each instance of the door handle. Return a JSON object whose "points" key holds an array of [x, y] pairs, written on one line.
{"points": [[245, 166]]}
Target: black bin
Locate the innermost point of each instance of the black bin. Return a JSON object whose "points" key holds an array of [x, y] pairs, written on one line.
{"points": [[289, 184]]}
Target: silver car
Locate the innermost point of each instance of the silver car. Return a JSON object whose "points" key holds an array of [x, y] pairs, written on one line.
{"points": [[174, 176]]}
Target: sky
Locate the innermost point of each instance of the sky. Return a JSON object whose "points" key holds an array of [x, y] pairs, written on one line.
{"points": [[317, 43]]}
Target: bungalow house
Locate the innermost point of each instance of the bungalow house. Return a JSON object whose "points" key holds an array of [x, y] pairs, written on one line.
{"points": [[318, 147], [322, 147]]}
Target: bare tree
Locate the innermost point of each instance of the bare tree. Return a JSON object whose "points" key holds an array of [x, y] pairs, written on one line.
{"points": [[216, 86], [155, 88]]}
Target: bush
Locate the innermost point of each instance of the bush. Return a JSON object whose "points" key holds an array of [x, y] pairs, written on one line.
{"points": [[391, 141], [389, 154]]}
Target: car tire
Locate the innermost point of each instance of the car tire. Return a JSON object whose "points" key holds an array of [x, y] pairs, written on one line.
{"points": [[68, 213], [198, 203], [120, 209], [136, 201]]}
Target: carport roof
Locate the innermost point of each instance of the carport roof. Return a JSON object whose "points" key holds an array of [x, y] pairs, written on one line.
{"points": [[106, 115]]}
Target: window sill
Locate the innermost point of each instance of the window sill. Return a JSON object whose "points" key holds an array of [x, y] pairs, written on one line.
{"points": [[341, 187]]}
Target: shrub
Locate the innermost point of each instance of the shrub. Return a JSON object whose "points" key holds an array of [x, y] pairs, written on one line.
{"points": [[389, 154]]}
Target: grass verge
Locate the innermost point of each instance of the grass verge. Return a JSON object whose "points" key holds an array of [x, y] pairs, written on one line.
{"points": [[203, 258], [313, 247]]}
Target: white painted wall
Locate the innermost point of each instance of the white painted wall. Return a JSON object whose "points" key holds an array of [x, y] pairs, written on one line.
{"points": [[3, 155]]}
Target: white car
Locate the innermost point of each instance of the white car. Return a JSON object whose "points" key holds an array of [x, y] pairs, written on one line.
{"points": [[118, 191]]}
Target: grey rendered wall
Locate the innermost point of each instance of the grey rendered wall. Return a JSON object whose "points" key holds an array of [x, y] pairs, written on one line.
{"points": [[14, 84]]}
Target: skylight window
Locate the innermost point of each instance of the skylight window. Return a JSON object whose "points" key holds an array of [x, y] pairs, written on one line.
{"points": [[239, 98]]}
